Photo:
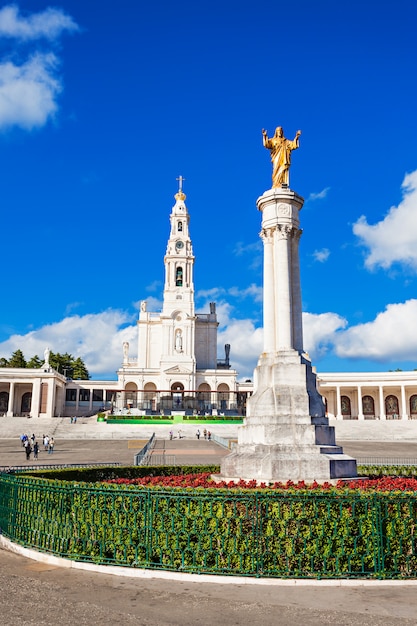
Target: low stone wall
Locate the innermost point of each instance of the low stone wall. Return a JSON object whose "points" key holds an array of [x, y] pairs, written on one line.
{"points": [[375, 430]]}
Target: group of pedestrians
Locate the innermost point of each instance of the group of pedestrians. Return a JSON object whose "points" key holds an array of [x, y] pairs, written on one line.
{"points": [[206, 434], [30, 444]]}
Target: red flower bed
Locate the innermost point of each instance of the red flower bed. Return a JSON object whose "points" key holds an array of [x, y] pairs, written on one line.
{"points": [[386, 483]]}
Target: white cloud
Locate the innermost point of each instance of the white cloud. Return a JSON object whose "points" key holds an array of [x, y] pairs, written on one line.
{"points": [[96, 338], [390, 336], [320, 195], [321, 255], [28, 92], [152, 304], [253, 291], [210, 294], [246, 343], [250, 248], [48, 24], [320, 332], [29, 88], [393, 239]]}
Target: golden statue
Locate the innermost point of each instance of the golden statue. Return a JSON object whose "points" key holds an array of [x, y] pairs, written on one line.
{"points": [[280, 149]]}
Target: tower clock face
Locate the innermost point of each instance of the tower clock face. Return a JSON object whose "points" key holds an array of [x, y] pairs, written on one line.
{"points": [[179, 245]]}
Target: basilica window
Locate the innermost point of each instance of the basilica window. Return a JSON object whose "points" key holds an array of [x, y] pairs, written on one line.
{"points": [[179, 227], [178, 277]]}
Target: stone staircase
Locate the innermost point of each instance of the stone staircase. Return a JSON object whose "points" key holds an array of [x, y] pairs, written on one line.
{"points": [[89, 428]]}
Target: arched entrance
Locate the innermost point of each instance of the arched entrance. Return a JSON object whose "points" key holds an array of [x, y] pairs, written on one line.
{"points": [[4, 402], [391, 407], [346, 408], [131, 396], [149, 400], [26, 403], [204, 397], [177, 394], [413, 407], [368, 407], [223, 396]]}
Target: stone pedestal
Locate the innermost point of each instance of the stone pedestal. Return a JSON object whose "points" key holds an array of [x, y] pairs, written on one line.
{"points": [[286, 435]]}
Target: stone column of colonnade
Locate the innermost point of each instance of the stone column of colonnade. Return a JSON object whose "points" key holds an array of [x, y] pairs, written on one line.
{"points": [[10, 408]]}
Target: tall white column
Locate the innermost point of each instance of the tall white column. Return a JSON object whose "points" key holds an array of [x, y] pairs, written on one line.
{"points": [[283, 301], [269, 304], [297, 312], [282, 292]]}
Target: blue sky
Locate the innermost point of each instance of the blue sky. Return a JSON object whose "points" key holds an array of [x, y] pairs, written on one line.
{"points": [[104, 104]]}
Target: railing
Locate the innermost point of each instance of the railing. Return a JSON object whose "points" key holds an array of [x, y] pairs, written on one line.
{"points": [[229, 444], [380, 460], [251, 533], [140, 457], [160, 459], [27, 468]]}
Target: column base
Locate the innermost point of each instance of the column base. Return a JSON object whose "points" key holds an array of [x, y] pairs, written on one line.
{"points": [[286, 435]]}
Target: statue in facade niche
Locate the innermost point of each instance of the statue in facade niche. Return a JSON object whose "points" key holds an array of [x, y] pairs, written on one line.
{"points": [[46, 355], [280, 149], [178, 341]]}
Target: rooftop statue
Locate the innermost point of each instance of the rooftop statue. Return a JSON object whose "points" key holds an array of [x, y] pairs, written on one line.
{"points": [[280, 149]]}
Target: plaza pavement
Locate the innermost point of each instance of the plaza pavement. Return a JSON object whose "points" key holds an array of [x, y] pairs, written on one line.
{"points": [[44, 594]]}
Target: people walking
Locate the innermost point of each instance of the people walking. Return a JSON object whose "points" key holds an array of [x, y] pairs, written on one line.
{"points": [[28, 450], [46, 443], [51, 446], [205, 433], [198, 433], [35, 450]]}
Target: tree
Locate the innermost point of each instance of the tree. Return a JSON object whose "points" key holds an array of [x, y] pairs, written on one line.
{"points": [[35, 362], [17, 359], [69, 366], [80, 372], [65, 364]]}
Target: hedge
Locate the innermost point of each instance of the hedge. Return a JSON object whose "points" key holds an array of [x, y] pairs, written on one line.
{"points": [[338, 533]]}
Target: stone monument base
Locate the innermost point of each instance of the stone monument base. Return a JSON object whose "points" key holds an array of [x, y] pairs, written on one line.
{"points": [[286, 435]]}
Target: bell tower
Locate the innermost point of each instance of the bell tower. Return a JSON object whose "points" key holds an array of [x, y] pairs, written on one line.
{"points": [[179, 260], [178, 314]]}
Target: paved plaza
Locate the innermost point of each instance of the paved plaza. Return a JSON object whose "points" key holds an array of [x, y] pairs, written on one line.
{"points": [[43, 594], [185, 451]]}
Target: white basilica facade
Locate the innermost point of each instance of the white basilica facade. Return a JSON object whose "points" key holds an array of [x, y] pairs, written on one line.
{"points": [[177, 368]]}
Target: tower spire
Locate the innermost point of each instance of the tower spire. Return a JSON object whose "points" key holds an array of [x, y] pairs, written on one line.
{"points": [[180, 195]]}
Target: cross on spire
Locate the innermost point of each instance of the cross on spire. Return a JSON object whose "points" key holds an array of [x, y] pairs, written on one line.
{"points": [[180, 179]]}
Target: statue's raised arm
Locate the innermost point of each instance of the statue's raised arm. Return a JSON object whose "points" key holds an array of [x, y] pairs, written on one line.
{"points": [[280, 149]]}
